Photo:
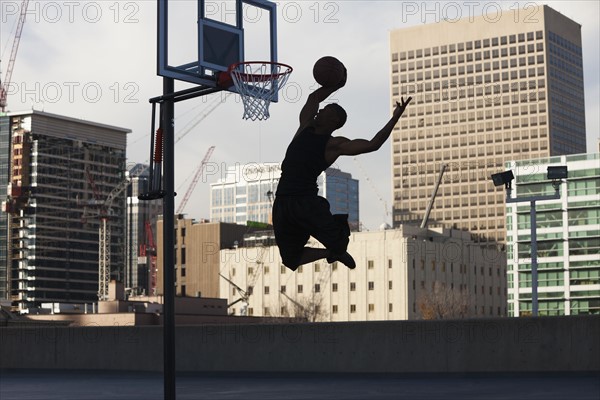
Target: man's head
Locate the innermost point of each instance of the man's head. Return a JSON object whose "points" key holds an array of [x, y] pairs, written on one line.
{"points": [[332, 116]]}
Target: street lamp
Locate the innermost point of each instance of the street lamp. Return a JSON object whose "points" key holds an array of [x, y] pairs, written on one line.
{"points": [[556, 174]]}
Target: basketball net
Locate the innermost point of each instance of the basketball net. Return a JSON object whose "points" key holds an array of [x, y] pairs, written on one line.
{"points": [[258, 83]]}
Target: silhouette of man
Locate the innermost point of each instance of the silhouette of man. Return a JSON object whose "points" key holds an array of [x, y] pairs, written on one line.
{"points": [[298, 211]]}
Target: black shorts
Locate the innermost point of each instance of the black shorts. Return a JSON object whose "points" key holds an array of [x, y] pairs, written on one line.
{"points": [[296, 218]]}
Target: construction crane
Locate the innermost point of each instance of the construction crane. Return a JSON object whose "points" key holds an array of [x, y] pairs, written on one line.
{"points": [[251, 281], [104, 266], [13, 55], [432, 199], [104, 238], [197, 176], [383, 202]]}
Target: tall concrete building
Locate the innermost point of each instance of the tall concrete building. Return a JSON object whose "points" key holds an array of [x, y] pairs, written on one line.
{"points": [[246, 193], [486, 90], [568, 238], [405, 273], [55, 177]]}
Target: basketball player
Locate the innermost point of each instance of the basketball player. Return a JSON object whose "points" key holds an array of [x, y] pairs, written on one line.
{"points": [[298, 212]]}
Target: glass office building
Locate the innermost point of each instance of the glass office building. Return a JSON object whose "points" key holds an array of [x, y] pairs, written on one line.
{"points": [[568, 238], [246, 192]]}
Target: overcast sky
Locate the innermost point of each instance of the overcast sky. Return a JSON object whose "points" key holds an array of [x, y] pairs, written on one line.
{"points": [[96, 60]]}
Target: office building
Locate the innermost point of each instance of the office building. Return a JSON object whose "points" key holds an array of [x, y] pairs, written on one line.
{"points": [[568, 238], [141, 272], [246, 193], [405, 273], [486, 90], [62, 180], [197, 259]]}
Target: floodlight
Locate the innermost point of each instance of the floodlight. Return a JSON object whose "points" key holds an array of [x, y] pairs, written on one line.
{"points": [[557, 172], [503, 178]]}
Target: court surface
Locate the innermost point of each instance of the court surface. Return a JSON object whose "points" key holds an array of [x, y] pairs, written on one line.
{"points": [[108, 385]]}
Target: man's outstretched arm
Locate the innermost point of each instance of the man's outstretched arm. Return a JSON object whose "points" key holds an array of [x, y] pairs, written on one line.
{"points": [[347, 147]]}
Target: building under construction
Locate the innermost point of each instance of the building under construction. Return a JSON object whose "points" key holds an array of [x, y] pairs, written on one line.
{"points": [[62, 224]]}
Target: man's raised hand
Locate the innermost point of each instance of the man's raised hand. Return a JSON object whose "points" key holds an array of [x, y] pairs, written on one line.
{"points": [[401, 106]]}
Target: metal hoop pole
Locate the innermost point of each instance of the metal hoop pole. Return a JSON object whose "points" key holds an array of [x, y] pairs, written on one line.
{"points": [[169, 241]]}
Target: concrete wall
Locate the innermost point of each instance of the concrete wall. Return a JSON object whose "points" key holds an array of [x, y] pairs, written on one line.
{"points": [[482, 345]]}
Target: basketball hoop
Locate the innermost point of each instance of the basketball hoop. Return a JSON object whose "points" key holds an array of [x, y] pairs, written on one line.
{"points": [[258, 83]]}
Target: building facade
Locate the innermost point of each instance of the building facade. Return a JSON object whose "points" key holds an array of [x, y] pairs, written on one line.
{"points": [[197, 262], [141, 268], [568, 238], [246, 193], [486, 90], [56, 176], [405, 273]]}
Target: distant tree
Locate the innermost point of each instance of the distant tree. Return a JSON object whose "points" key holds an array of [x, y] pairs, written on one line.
{"points": [[306, 309], [444, 303]]}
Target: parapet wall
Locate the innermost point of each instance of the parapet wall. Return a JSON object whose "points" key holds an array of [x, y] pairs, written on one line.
{"points": [[478, 345]]}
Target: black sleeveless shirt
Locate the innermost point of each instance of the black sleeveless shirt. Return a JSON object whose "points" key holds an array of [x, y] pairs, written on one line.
{"points": [[303, 163]]}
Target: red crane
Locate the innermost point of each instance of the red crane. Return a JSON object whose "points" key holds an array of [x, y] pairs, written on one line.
{"points": [[197, 176], [13, 55], [148, 250]]}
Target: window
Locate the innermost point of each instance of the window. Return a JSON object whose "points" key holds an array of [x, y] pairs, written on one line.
{"points": [[371, 285], [266, 290], [300, 289], [352, 308], [371, 308], [334, 309], [317, 288], [282, 289], [390, 285], [370, 264], [352, 286], [334, 287]]}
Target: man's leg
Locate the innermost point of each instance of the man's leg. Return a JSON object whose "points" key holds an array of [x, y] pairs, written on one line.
{"points": [[310, 254]]}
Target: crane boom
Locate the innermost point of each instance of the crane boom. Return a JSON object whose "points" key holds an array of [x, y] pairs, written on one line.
{"points": [[432, 199], [13, 56], [192, 186]]}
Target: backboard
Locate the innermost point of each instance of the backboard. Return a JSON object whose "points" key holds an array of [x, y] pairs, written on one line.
{"points": [[199, 39]]}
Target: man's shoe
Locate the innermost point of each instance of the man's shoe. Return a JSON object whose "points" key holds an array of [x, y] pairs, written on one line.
{"points": [[344, 258]]}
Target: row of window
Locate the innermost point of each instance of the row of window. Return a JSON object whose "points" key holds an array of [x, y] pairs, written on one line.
{"points": [[371, 309], [413, 78], [557, 278], [469, 45], [477, 58]]}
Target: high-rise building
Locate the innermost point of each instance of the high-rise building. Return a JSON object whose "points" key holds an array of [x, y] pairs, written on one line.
{"points": [[486, 90], [141, 270], [246, 193], [568, 238], [61, 180]]}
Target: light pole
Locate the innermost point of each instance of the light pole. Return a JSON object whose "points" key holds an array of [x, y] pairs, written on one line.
{"points": [[556, 174]]}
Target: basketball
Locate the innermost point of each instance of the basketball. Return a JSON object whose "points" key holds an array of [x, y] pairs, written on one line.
{"points": [[328, 71]]}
